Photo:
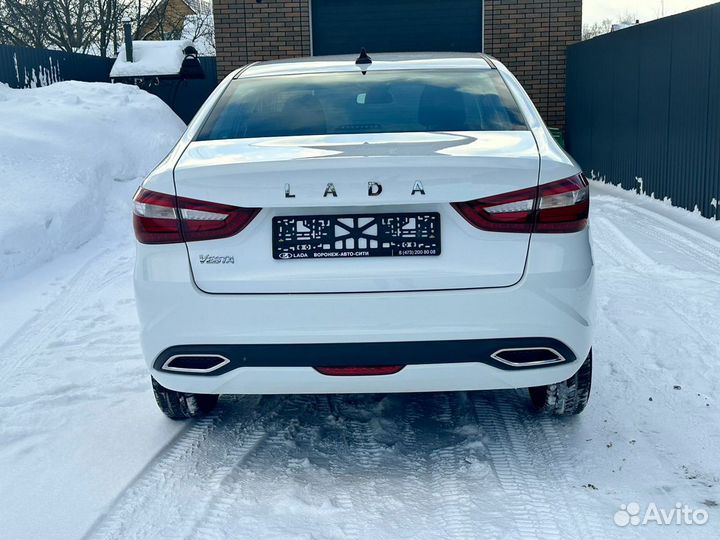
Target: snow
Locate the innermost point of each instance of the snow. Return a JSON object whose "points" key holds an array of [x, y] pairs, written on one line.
{"points": [[151, 58], [62, 147], [85, 453]]}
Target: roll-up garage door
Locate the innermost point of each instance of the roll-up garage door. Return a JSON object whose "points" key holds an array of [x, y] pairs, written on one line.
{"points": [[344, 26]]}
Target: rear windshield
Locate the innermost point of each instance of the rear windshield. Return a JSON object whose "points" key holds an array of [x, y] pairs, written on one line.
{"points": [[378, 102]]}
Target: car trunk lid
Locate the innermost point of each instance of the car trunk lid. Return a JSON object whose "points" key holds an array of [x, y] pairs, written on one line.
{"points": [[347, 175]]}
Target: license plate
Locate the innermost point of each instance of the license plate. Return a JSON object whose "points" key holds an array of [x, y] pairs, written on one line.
{"points": [[356, 235]]}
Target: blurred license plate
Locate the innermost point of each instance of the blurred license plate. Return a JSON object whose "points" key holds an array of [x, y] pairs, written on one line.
{"points": [[356, 235]]}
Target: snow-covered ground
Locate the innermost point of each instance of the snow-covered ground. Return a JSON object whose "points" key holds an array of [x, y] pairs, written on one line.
{"points": [[84, 452]]}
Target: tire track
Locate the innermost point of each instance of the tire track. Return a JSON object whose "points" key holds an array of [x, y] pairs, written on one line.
{"points": [[453, 500], [47, 325], [132, 514], [136, 497], [229, 464], [524, 492], [620, 247], [534, 469], [345, 502], [360, 443], [229, 488], [702, 249]]}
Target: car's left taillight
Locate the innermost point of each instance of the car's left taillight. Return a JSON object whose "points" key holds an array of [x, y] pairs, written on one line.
{"points": [[159, 218]]}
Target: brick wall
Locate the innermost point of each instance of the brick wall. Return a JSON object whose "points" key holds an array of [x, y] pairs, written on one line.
{"points": [[247, 31], [531, 38]]}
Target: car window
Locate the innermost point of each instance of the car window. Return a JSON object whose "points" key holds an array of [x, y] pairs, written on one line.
{"points": [[378, 102]]}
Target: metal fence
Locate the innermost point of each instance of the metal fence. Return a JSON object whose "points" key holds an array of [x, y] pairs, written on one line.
{"points": [[643, 108], [28, 68], [186, 97], [21, 67]]}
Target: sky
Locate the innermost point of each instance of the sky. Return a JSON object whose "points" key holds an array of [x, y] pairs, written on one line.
{"points": [[645, 10]]}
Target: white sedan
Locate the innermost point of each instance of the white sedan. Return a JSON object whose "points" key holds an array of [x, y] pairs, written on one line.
{"points": [[401, 223]]}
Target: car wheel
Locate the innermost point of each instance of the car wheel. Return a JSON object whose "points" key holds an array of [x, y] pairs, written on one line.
{"points": [[181, 405], [566, 398]]}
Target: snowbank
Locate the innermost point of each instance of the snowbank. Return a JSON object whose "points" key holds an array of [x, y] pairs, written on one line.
{"points": [[61, 147], [151, 58]]}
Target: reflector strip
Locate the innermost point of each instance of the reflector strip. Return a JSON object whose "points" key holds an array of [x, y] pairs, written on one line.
{"points": [[354, 371]]}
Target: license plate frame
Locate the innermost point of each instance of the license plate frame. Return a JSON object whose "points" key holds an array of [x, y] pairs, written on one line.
{"points": [[402, 234]]}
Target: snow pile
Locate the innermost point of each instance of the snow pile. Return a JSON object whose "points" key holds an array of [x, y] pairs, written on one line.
{"points": [[151, 58], [61, 148]]}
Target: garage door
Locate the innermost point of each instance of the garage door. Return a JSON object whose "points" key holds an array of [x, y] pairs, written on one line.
{"points": [[344, 26]]}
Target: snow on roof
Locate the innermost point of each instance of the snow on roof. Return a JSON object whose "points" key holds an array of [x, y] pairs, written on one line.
{"points": [[151, 58]]}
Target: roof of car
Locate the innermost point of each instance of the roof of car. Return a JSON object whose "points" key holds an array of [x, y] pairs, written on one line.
{"points": [[380, 61]]}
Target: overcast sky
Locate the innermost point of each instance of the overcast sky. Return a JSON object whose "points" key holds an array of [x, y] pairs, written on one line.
{"points": [[645, 10]]}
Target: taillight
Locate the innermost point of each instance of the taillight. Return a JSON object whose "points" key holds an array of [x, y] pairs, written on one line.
{"points": [[159, 218], [563, 206], [155, 218], [509, 212], [557, 207]]}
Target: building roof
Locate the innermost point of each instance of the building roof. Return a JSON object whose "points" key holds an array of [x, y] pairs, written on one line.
{"points": [[380, 61], [151, 58]]}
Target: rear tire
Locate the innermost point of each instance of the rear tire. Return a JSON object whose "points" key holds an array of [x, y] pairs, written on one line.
{"points": [[181, 405], [566, 398]]}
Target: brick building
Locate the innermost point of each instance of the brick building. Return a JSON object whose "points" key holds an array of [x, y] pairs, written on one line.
{"points": [[529, 36]]}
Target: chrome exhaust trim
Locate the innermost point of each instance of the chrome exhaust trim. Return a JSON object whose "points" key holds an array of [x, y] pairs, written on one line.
{"points": [[221, 361], [553, 356]]}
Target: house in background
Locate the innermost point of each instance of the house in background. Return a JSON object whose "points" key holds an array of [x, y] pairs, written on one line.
{"points": [[530, 36], [167, 20]]}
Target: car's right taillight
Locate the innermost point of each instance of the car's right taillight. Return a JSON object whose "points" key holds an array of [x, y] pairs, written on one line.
{"points": [[556, 207], [159, 218], [563, 206]]}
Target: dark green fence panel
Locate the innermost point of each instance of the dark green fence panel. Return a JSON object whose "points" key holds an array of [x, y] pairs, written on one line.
{"points": [[186, 97], [643, 108], [28, 68], [21, 67]]}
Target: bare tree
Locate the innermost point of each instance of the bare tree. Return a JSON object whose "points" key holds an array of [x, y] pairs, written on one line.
{"points": [[72, 27], [200, 28], [24, 22], [94, 26], [106, 19]]}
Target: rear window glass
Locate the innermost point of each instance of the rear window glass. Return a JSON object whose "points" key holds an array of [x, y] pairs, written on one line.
{"points": [[378, 102]]}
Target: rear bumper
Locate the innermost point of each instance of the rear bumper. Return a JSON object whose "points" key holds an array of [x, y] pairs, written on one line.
{"points": [[218, 359], [418, 378], [553, 301]]}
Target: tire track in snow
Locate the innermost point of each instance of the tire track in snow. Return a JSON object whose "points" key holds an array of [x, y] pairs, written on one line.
{"points": [[359, 441], [228, 487], [633, 256], [684, 240], [133, 514], [658, 290], [46, 327], [453, 496], [618, 245], [534, 469], [511, 462], [344, 500], [136, 497], [416, 437], [205, 484]]}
